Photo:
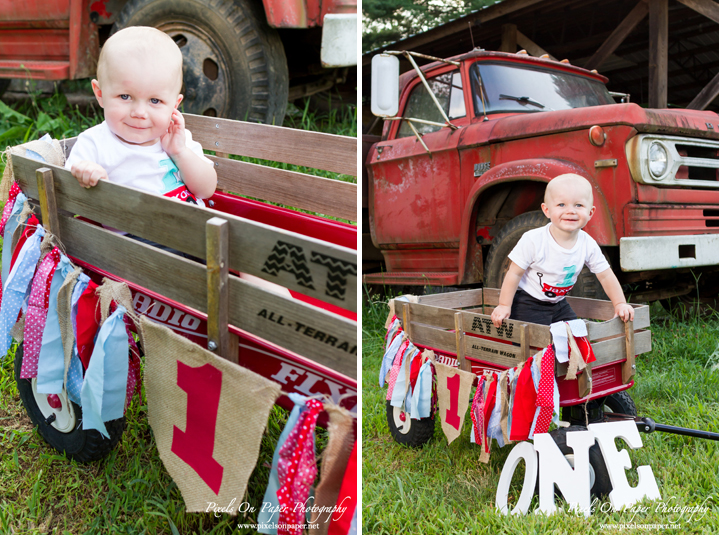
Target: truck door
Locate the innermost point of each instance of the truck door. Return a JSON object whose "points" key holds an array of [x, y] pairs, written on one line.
{"points": [[414, 192]]}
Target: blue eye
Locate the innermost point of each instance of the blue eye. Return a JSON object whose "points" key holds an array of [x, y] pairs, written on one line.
{"points": [[561, 205], [125, 97], [155, 100]]}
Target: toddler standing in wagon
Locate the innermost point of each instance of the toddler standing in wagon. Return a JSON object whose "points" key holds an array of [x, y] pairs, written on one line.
{"points": [[546, 261]]}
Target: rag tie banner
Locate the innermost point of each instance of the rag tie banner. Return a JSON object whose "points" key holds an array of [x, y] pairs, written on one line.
{"points": [[508, 406], [80, 340]]}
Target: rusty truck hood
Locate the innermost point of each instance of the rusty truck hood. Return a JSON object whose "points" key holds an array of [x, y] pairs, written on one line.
{"points": [[682, 122]]}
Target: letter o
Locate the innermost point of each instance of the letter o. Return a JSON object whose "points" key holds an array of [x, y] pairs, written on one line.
{"points": [[523, 450]]}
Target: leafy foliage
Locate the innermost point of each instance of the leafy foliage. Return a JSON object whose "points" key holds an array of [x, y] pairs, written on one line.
{"points": [[387, 21]]}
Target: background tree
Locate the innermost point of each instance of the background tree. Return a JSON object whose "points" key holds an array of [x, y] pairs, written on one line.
{"points": [[387, 21]]}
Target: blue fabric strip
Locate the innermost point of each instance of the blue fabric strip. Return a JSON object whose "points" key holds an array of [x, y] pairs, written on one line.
{"points": [[105, 385], [51, 361], [422, 395], [269, 514], [389, 356], [10, 227], [74, 379]]}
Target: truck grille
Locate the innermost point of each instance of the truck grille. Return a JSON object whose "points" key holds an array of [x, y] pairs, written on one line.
{"points": [[690, 162]]}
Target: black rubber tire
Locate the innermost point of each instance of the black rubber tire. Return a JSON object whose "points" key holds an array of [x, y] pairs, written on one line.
{"points": [[602, 484], [621, 402], [250, 63], [4, 84], [80, 445], [588, 286], [418, 433], [498, 261]]}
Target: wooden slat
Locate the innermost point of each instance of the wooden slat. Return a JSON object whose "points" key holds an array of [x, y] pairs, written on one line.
{"points": [[460, 340], [48, 202], [482, 325], [255, 248], [309, 331], [614, 349], [491, 296], [442, 318], [465, 298], [706, 95], [618, 36], [406, 321], [494, 352], [324, 195], [299, 147], [615, 327], [436, 338], [658, 52], [218, 290], [708, 8], [628, 368]]}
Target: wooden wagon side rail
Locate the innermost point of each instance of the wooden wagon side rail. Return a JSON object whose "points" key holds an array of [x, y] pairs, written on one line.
{"points": [[317, 150], [227, 242]]}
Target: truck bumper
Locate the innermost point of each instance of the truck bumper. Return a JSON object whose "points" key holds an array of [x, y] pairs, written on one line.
{"points": [[339, 40], [668, 252]]}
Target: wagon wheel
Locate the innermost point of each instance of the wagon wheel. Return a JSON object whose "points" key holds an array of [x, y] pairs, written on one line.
{"points": [[405, 430], [234, 64], [498, 260], [59, 421]]}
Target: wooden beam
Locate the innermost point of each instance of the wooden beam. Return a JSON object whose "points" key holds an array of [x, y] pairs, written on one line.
{"points": [[708, 8], [658, 52], [48, 202], [218, 290], [706, 95], [531, 47], [509, 38], [617, 37]]}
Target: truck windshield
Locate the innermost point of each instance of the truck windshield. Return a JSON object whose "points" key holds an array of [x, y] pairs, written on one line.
{"points": [[520, 88]]}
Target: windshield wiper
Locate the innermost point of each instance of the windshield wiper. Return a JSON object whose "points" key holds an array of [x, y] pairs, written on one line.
{"points": [[522, 100]]}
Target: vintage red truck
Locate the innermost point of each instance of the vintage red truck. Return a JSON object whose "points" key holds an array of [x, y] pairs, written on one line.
{"points": [[453, 184], [243, 59]]}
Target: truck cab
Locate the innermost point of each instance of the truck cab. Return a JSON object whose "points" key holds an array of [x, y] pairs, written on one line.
{"points": [[453, 184]]}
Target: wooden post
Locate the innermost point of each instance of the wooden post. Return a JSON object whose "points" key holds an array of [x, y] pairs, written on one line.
{"points": [[509, 38], [629, 367], [618, 36], [658, 52], [706, 95], [48, 202], [708, 8], [406, 320], [464, 365], [531, 47], [218, 290], [524, 348]]}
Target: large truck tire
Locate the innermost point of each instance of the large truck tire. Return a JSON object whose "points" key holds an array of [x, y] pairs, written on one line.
{"points": [[64, 431], [234, 64], [498, 262]]}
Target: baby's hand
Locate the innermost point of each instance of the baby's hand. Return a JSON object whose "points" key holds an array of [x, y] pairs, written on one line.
{"points": [[173, 142], [500, 313], [88, 173], [624, 311]]}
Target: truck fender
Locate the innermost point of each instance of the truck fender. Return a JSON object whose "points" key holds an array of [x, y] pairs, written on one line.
{"points": [[600, 227]]}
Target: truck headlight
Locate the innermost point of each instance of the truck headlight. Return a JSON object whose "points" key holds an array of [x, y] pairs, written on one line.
{"points": [[657, 160]]}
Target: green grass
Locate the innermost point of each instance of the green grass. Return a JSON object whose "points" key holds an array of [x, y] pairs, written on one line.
{"points": [[441, 488], [129, 491]]}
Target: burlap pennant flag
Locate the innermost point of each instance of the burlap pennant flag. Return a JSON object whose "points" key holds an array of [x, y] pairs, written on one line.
{"points": [[453, 391], [208, 416]]}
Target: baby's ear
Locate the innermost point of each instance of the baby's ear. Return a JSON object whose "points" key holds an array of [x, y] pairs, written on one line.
{"points": [[98, 92], [179, 99]]}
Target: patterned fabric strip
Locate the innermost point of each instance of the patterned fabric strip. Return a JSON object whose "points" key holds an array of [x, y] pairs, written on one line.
{"points": [[545, 394], [29, 230], [524, 404], [297, 471], [9, 206], [36, 316], [394, 371], [476, 410]]}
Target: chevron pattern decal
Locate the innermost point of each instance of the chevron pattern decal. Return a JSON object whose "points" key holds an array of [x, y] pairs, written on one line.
{"points": [[337, 272], [290, 258]]}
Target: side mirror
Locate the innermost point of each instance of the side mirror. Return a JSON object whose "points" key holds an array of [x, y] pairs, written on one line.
{"points": [[385, 85]]}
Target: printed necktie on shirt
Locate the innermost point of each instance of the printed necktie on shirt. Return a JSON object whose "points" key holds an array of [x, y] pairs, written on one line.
{"points": [[17, 285], [297, 471], [545, 393], [37, 313]]}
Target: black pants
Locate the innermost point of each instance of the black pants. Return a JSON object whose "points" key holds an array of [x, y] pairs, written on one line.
{"points": [[530, 309]]}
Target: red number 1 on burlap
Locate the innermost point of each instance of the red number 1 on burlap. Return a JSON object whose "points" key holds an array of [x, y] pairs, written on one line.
{"points": [[196, 444], [452, 417]]}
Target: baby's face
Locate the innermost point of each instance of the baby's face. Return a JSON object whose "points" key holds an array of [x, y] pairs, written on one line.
{"points": [[569, 207], [138, 100]]}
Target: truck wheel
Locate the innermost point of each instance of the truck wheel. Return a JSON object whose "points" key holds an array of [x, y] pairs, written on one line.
{"points": [[234, 64], [4, 84], [599, 481], [65, 432], [405, 430], [587, 285], [498, 261]]}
